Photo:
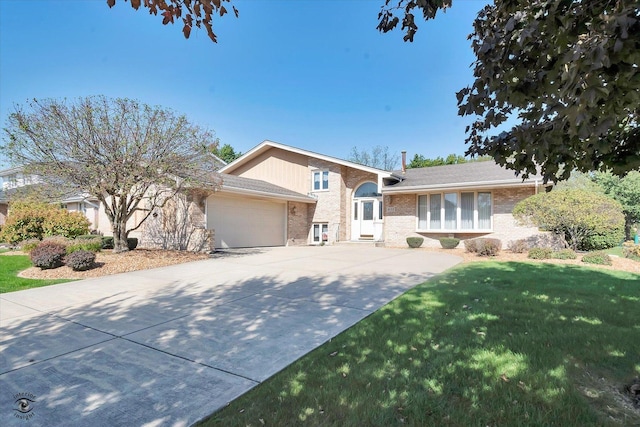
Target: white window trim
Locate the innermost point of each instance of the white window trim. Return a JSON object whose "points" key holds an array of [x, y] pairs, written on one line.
{"points": [[458, 228], [322, 240], [321, 172]]}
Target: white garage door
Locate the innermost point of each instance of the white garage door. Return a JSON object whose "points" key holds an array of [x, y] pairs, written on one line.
{"points": [[242, 223]]}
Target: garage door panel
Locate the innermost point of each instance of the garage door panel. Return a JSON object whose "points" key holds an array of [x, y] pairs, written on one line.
{"points": [[240, 222]]}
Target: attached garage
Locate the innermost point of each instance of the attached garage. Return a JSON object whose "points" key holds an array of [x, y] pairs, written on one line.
{"points": [[242, 222]]}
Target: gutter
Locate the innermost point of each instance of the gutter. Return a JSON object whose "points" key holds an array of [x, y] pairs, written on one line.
{"points": [[487, 184], [267, 195]]}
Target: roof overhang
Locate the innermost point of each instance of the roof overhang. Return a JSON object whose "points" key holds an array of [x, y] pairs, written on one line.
{"points": [[225, 189], [460, 186]]}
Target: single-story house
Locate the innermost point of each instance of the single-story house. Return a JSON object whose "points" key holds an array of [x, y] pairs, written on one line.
{"points": [[277, 195]]}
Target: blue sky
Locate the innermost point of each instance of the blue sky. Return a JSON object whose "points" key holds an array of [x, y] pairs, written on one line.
{"points": [[315, 74]]}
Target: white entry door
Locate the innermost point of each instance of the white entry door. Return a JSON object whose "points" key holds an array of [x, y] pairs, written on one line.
{"points": [[366, 219]]}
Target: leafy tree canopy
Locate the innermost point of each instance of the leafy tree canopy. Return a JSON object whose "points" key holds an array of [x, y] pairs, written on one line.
{"points": [[377, 157], [625, 190], [226, 153], [420, 161], [130, 156]]}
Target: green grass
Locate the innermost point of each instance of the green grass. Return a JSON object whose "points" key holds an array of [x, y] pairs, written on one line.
{"points": [[500, 344], [10, 266], [617, 251]]}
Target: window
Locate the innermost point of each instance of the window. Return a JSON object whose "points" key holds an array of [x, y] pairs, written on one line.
{"points": [[355, 211], [320, 233], [368, 189], [454, 211], [320, 180]]}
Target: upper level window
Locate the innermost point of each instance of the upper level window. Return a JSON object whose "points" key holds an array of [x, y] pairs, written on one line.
{"points": [[463, 211], [320, 180]]}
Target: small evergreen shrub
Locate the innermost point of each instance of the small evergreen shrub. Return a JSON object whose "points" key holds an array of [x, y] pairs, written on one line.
{"points": [[540, 253], [488, 246], [107, 242], [81, 260], [91, 245], [518, 246], [132, 243], [29, 245], [48, 255], [449, 242], [471, 245], [597, 257], [415, 242], [564, 254]]}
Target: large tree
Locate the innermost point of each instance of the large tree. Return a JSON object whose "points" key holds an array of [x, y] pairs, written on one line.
{"points": [[625, 190], [567, 72], [130, 156]]}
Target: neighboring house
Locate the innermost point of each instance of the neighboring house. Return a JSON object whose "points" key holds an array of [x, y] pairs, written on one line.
{"points": [[277, 195]]}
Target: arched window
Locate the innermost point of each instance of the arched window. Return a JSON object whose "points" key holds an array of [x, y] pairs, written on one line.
{"points": [[368, 189]]}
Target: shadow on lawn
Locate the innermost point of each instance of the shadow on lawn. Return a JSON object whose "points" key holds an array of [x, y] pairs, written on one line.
{"points": [[484, 344], [84, 362]]}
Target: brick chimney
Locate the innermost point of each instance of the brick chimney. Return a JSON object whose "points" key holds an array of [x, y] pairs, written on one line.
{"points": [[404, 161]]}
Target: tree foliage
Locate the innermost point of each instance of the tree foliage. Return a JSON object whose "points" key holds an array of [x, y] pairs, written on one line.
{"points": [[130, 156], [587, 220], [197, 13], [625, 190], [377, 157], [36, 220], [420, 161], [226, 153]]}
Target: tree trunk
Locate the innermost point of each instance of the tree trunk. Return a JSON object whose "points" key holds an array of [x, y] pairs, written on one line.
{"points": [[119, 229]]}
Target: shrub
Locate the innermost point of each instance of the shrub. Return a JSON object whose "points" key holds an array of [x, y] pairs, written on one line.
{"points": [[91, 245], [597, 257], [28, 220], [631, 250], [29, 245], [61, 240], [540, 253], [132, 243], [413, 242], [586, 219], [488, 247], [449, 242], [81, 260], [48, 255], [471, 245], [564, 254], [518, 246], [88, 237], [107, 242]]}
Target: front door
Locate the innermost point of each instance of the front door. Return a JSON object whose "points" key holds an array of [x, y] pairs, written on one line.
{"points": [[366, 220]]}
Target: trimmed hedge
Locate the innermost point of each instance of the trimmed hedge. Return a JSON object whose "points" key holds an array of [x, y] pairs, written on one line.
{"points": [[540, 253], [132, 243], [518, 246], [91, 245], [81, 260], [598, 257], [48, 255], [483, 246], [564, 254], [449, 242], [415, 242]]}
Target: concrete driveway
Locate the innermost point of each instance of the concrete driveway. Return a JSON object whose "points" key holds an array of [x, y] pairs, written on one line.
{"points": [[169, 346]]}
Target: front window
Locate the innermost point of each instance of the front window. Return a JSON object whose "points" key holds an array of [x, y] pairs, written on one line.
{"points": [[320, 233], [464, 211], [320, 180]]}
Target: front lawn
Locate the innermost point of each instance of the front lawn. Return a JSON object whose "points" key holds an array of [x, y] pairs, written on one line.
{"points": [[10, 266], [484, 344]]}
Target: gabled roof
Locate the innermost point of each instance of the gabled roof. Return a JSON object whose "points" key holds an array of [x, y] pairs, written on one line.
{"points": [[267, 145], [240, 185], [464, 175]]}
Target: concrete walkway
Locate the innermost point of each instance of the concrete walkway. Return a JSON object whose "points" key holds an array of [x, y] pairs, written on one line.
{"points": [[169, 346]]}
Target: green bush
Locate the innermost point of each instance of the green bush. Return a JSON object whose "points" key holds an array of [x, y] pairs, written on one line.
{"points": [[107, 242], [81, 260], [471, 245], [48, 255], [88, 237], [29, 245], [586, 219], [91, 245], [488, 247], [29, 220], [518, 246], [564, 254], [132, 243], [415, 242], [449, 242], [631, 250], [597, 257], [540, 253]]}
